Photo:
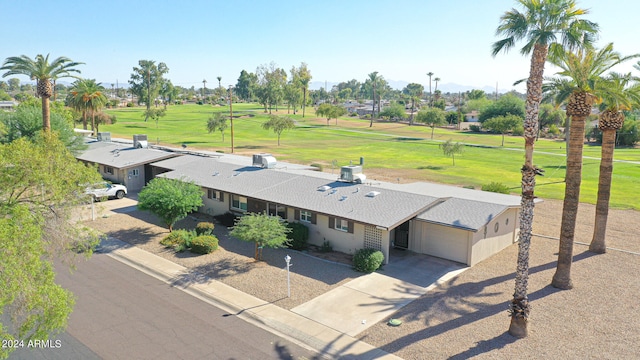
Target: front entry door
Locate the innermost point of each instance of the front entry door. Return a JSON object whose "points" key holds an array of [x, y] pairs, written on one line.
{"points": [[402, 236]]}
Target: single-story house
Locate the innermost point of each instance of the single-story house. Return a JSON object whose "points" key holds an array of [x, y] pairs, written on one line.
{"points": [[123, 163], [458, 224], [8, 105]]}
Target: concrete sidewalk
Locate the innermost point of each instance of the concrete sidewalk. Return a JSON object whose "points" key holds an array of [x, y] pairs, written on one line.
{"points": [[328, 323]]}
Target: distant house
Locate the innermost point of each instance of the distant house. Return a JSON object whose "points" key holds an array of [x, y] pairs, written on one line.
{"points": [[8, 105], [472, 116]]}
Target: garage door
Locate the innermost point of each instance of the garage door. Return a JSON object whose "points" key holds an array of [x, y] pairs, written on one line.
{"points": [[447, 243]]}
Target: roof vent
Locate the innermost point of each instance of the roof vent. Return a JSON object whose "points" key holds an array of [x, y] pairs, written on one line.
{"points": [[324, 188], [140, 141], [373, 193], [264, 160], [104, 136]]}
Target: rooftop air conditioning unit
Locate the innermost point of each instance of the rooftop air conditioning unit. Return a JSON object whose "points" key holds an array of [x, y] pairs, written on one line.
{"points": [[104, 136], [352, 174], [264, 160], [140, 141]]}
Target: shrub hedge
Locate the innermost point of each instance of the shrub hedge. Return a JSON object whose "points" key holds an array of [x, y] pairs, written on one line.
{"points": [[204, 228], [298, 236], [367, 260], [204, 244]]}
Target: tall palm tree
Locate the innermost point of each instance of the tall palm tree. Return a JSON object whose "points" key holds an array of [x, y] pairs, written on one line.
{"points": [[219, 81], [88, 96], [430, 74], [583, 69], [617, 97], [543, 24], [43, 72], [373, 78], [435, 89]]}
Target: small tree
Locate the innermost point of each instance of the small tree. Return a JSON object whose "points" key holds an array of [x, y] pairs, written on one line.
{"points": [[431, 117], [154, 114], [170, 199], [279, 124], [503, 124], [395, 111], [263, 230], [330, 111], [451, 149], [218, 122]]}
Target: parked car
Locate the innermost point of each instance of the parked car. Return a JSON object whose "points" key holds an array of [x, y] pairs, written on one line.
{"points": [[106, 190]]}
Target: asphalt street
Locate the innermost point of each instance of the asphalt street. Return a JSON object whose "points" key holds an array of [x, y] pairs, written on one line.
{"points": [[122, 313]]}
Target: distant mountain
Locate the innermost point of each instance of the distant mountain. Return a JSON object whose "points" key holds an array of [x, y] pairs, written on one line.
{"points": [[400, 84]]}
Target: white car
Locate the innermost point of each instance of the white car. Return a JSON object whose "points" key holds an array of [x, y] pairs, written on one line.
{"points": [[106, 190]]}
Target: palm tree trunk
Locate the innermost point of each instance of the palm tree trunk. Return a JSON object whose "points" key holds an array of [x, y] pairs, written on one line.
{"points": [[46, 114], [519, 307], [598, 243], [573, 178], [93, 123], [304, 101], [84, 119]]}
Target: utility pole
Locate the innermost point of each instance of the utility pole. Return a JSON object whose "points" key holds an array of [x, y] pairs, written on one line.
{"points": [[231, 113]]}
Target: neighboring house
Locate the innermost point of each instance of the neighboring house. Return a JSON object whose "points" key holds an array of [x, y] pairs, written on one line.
{"points": [[8, 105], [122, 163], [458, 224], [472, 116]]}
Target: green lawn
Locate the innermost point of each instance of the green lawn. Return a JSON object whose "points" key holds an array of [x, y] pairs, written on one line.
{"points": [[391, 150]]}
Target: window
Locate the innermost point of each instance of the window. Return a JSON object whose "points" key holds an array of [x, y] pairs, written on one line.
{"points": [[239, 202], [279, 210], [342, 225], [214, 195], [135, 172], [305, 216], [108, 170]]}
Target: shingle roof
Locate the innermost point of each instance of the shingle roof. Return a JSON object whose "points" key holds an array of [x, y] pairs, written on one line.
{"points": [[120, 156], [345, 200], [462, 213]]}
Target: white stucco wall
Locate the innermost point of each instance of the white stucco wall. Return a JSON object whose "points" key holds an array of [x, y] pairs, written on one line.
{"points": [[496, 238]]}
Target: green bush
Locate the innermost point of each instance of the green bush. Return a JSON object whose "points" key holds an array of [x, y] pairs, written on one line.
{"points": [[367, 260], [204, 244], [204, 228], [475, 128], [177, 239], [496, 187], [326, 246], [553, 129], [317, 166], [298, 236]]}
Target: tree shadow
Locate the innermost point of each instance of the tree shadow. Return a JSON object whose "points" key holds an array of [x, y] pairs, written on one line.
{"points": [[459, 302], [219, 269], [484, 346], [135, 235]]}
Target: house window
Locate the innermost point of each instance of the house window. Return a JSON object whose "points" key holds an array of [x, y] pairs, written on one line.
{"points": [[108, 170], [305, 216], [277, 210], [342, 225], [214, 195], [135, 172], [239, 202]]}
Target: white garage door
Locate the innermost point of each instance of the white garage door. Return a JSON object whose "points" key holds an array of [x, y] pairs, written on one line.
{"points": [[447, 243]]}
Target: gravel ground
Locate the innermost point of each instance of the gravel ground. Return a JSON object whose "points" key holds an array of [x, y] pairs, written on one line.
{"points": [[466, 317]]}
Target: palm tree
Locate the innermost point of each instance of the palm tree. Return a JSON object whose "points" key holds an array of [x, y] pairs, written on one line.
{"points": [[219, 79], [435, 89], [43, 72], [583, 69], [87, 96], [430, 74], [204, 87], [543, 24], [414, 91], [617, 97], [373, 78]]}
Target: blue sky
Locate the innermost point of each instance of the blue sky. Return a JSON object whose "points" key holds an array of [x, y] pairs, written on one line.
{"points": [[339, 40]]}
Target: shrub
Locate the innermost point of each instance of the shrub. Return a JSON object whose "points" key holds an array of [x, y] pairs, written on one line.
{"points": [[316, 165], [204, 244], [553, 129], [474, 128], [496, 187], [326, 246], [130, 104], [298, 236], [204, 228], [227, 219], [367, 260], [177, 239]]}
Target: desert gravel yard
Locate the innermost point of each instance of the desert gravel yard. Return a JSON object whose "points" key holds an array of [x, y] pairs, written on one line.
{"points": [[463, 318]]}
